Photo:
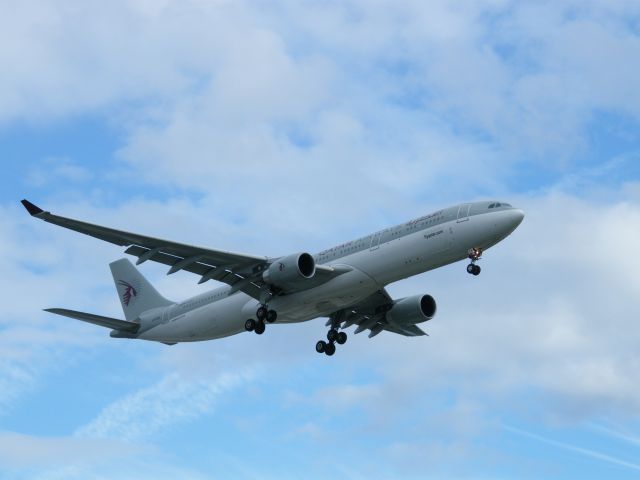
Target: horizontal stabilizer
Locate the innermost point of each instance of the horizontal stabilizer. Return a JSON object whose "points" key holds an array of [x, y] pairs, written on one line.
{"points": [[97, 319]]}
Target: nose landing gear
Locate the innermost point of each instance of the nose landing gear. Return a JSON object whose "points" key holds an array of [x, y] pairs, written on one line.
{"points": [[262, 314], [474, 255]]}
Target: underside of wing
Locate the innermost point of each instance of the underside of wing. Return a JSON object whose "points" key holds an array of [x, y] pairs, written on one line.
{"points": [[371, 314], [242, 275], [406, 330]]}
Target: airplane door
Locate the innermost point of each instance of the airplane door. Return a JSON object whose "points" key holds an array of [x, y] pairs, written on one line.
{"points": [[463, 212], [375, 241]]}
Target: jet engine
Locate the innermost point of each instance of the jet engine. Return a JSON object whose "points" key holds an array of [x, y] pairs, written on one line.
{"points": [[412, 310], [290, 270]]}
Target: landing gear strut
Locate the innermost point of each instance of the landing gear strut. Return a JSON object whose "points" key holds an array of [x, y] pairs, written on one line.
{"points": [[474, 255], [262, 314], [333, 337]]}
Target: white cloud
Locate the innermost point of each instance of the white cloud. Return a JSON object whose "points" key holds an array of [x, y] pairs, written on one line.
{"points": [[150, 411], [344, 397], [56, 169], [617, 433], [576, 449], [19, 451], [305, 125], [554, 310], [154, 468], [220, 88]]}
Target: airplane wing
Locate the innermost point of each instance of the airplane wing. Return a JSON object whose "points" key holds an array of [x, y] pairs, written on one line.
{"points": [[243, 272], [370, 314]]}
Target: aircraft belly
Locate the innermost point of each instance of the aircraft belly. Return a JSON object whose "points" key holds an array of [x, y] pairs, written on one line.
{"points": [[338, 293], [215, 320]]}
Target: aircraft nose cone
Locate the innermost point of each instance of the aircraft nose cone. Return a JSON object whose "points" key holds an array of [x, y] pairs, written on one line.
{"points": [[516, 216], [507, 221]]}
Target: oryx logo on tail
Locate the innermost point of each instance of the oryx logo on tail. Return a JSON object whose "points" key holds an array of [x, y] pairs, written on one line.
{"points": [[129, 292]]}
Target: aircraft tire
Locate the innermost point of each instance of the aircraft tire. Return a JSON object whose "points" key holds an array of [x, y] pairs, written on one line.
{"points": [[250, 325], [272, 315], [330, 349], [332, 335], [261, 313], [342, 338], [260, 328], [470, 268], [476, 270], [321, 346]]}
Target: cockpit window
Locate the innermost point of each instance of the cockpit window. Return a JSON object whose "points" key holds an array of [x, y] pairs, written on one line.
{"points": [[498, 204]]}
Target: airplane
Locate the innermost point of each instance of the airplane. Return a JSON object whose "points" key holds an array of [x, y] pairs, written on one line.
{"points": [[345, 283]]}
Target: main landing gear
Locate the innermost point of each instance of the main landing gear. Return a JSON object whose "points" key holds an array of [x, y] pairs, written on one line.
{"points": [[263, 314], [474, 255], [333, 337]]}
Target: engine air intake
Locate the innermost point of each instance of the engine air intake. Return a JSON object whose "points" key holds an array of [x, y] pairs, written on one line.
{"points": [[288, 272]]}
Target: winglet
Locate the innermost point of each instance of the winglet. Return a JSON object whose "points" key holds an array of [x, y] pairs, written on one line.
{"points": [[31, 208]]}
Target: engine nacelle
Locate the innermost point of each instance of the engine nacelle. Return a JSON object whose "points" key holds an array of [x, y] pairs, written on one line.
{"points": [[290, 270], [412, 310]]}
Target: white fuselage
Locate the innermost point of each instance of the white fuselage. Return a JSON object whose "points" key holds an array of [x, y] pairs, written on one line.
{"points": [[376, 260]]}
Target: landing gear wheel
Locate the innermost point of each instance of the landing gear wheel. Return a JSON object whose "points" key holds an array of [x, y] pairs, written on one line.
{"points": [[476, 270], [250, 325], [470, 268], [330, 349], [261, 313], [321, 346], [342, 338], [272, 315], [260, 328], [332, 335]]}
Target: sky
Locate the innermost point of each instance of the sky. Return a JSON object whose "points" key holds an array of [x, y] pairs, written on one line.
{"points": [[287, 126]]}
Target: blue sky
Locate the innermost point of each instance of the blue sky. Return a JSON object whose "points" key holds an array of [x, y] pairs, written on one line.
{"points": [[293, 126]]}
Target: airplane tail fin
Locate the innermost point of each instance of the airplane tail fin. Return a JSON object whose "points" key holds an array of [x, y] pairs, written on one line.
{"points": [[136, 294]]}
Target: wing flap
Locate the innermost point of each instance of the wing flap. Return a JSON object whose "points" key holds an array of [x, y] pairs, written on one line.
{"points": [[202, 265], [159, 256], [406, 330], [107, 322], [370, 314]]}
